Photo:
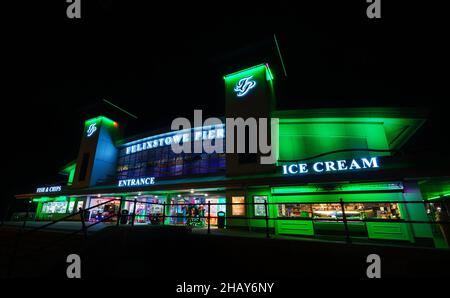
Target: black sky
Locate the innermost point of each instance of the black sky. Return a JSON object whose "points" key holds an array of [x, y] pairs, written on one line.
{"points": [[161, 62]]}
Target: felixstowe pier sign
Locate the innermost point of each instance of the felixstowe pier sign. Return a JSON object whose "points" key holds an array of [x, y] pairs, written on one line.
{"points": [[177, 137], [330, 166]]}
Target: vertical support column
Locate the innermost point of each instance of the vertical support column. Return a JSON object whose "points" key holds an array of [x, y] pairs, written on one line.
{"points": [[209, 217], [445, 227], [164, 213], [133, 216], [416, 212], [169, 205], [83, 224], [344, 217], [266, 208], [26, 215], [119, 212]]}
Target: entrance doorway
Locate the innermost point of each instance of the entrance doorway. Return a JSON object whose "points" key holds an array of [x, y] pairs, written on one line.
{"points": [[188, 209], [104, 211], [148, 208]]}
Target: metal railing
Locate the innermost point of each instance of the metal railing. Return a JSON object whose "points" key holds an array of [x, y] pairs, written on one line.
{"points": [[161, 218], [22, 232], [267, 218]]}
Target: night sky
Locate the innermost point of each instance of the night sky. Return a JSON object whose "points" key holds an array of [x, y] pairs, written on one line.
{"points": [[163, 62]]}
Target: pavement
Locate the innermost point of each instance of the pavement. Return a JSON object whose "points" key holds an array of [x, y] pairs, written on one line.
{"points": [[70, 227], [165, 252], [63, 226]]}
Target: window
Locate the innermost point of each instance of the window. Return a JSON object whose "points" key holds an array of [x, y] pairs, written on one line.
{"points": [[381, 211], [71, 205], [294, 210], [260, 208], [103, 207], [239, 208], [357, 211], [80, 204], [162, 162], [334, 212], [54, 207]]}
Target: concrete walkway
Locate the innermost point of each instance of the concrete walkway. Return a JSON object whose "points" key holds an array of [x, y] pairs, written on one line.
{"points": [[63, 226], [69, 226]]}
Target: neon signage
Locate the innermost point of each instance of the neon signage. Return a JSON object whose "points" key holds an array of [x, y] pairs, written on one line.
{"points": [[244, 85], [136, 182], [91, 129], [321, 167], [48, 189], [182, 136]]}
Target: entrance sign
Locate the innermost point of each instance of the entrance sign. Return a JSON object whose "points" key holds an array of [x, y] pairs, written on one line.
{"points": [[136, 182], [330, 166]]}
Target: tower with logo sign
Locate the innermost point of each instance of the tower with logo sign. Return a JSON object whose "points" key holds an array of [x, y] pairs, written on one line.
{"points": [[249, 94], [96, 162]]}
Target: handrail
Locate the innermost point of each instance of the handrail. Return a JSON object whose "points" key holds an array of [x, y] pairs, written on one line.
{"points": [[21, 233], [68, 216], [209, 216], [70, 234], [305, 218], [276, 203], [293, 218]]}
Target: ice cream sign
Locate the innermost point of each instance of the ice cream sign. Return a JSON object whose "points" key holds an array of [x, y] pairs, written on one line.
{"points": [[321, 167]]}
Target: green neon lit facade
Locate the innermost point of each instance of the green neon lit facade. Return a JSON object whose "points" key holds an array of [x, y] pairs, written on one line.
{"points": [[302, 134], [100, 120], [443, 196], [254, 70], [260, 74], [342, 187], [50, 199], [302, 138], [299, 138]]}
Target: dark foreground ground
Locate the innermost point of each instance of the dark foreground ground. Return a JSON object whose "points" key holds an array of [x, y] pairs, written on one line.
{"points": [[177, 255]]}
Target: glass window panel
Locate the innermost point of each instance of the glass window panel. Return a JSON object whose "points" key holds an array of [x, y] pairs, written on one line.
{"points": [[239, 208], [294, 210], [260, 208]]}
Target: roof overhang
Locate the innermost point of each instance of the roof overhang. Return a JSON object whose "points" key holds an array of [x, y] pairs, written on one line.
{"points": [[399, 123]]}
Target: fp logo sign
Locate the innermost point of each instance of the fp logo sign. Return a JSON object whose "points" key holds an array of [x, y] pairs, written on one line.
{"points": [[91, 129], [244, 86]]}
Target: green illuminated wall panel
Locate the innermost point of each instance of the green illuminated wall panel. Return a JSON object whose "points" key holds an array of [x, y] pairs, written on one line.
{"points": [[342, 187], [389, 231], [318, 198], [305, 133], [261, 69], [71, 175], [295, 227], [100, 120], [298, 141]]}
